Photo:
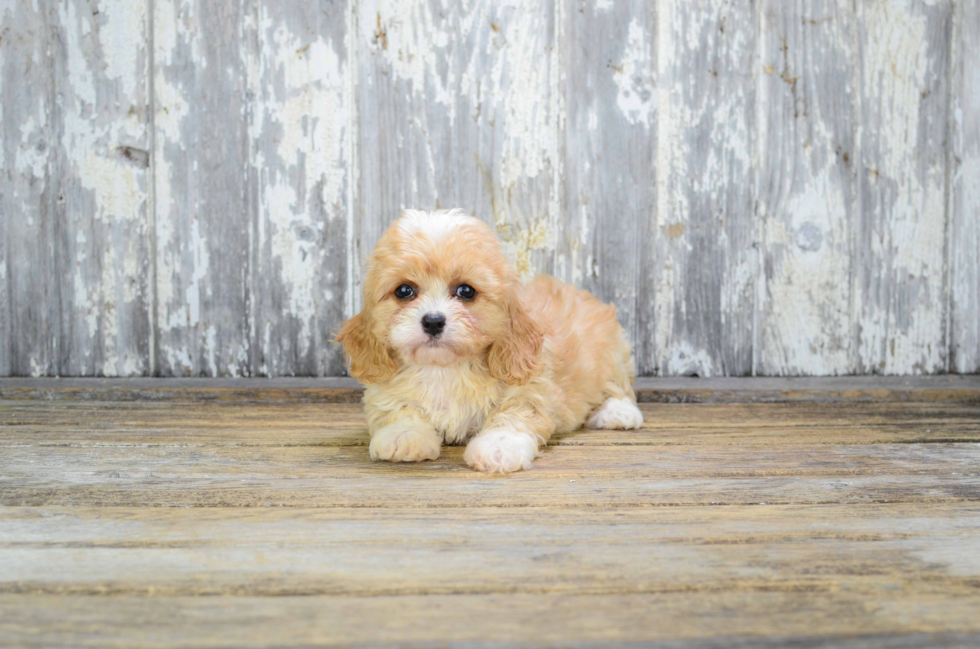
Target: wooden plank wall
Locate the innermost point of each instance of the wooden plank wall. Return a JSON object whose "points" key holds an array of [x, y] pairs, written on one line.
{"points": [[768, 188]]}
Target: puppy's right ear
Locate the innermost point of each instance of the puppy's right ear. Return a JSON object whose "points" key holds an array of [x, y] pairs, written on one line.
{"points": [[370, 360]]}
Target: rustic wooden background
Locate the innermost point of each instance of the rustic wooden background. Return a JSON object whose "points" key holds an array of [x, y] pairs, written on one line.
{"points": [[770, 187]]}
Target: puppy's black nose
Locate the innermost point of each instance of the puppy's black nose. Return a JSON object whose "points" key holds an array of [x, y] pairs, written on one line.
{"points": [[433, 323]]}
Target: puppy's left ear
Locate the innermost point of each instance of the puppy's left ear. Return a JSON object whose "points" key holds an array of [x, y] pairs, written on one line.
{"points": [[514, 358], [370, 360]]}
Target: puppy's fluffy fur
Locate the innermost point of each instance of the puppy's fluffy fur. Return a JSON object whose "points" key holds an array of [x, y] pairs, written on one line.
{"points": [[512, 365]]}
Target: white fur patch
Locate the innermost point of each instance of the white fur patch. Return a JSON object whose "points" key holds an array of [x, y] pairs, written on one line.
{"points": [[406, 440], [434, 225], [499, 450], [616, 414]]}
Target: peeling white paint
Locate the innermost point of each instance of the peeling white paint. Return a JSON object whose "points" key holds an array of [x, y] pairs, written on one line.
{"points": [[807, 332], [104, 193], [898, 335], [415, 41], [513, 80], [298, 134], [32, 160], [122, 38], [637, 98], [505, 62], [685, 360]]}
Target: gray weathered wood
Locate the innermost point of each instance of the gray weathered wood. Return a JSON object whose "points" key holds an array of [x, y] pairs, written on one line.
{"points": [[175, 475], [102, 139], [609, 59], [780, 188], [850, 390], [203, 213], [29, 187], [299, 181], [731, 620], [705, 265], [406, 89], [456, 110], [252, 522], [901, 241], [348, 551], [807, 187], [508, 116], [964, 178]]}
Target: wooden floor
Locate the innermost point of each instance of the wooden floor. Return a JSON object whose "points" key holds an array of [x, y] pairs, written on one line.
{"points": [[841, 513]]}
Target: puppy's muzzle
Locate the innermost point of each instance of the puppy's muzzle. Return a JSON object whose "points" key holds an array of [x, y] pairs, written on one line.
{"points": [[433, 323]]}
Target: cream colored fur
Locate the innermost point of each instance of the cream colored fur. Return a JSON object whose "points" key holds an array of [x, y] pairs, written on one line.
{"points": [[512, 367]]}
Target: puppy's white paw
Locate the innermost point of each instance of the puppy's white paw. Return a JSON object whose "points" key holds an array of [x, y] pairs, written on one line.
{"points": [[616, 414], [499, 450], [405, 441]]}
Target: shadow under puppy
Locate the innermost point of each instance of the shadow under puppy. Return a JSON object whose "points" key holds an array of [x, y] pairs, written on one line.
{"points": [[454, 349]]}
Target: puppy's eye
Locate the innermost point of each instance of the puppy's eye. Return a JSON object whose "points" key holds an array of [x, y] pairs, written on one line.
{"points": [[404, 292], [465, 292]]}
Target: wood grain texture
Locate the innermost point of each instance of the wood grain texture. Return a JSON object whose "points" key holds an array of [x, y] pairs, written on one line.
{"points": [[299, 183], [964, 225], [607, 476], [605, 242], [203, 209], [29, 190], [406, 90], [807, 197], [455, 110], [963, 389], [252, 552], [261, 421], [509, 119], [901, 232], [236, 520], [102, 72], [189, 188], [725, 620], [705, 262]]}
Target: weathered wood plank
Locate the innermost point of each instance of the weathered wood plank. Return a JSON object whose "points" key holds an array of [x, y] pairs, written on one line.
{"points": [[290, 424], [8, 203], [853, 389], [6, 333], [609, 78], [509, 117], [455, 110], [102, 164], [901, 234], [807, 198], [203, 210], [614, 476], [705, 261], [371, 553], [29, 191], [807, 533], [838, 620], [297, 61], [964, 226], [406, 86]]}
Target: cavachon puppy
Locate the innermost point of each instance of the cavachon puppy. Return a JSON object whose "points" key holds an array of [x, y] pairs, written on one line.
{"points": [[454, 349]]}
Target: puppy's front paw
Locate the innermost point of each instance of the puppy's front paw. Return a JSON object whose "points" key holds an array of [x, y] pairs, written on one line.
{"points": [[616, 414], [405, 441], [499, 450]]}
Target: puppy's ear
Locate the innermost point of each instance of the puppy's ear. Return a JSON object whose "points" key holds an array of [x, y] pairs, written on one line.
{"points": [[370, 360], [514, 357]]}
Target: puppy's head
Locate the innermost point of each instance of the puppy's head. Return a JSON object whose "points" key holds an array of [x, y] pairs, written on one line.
{"points": [[439, 291]]}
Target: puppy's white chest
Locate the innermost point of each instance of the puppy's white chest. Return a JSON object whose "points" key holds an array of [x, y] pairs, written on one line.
{"points": [[456, 400]]}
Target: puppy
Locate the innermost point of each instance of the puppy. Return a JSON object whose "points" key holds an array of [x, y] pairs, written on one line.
{"points": [[453, 349]]}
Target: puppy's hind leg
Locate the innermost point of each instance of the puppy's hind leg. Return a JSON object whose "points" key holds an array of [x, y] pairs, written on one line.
{"points": [[616, 413]]}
